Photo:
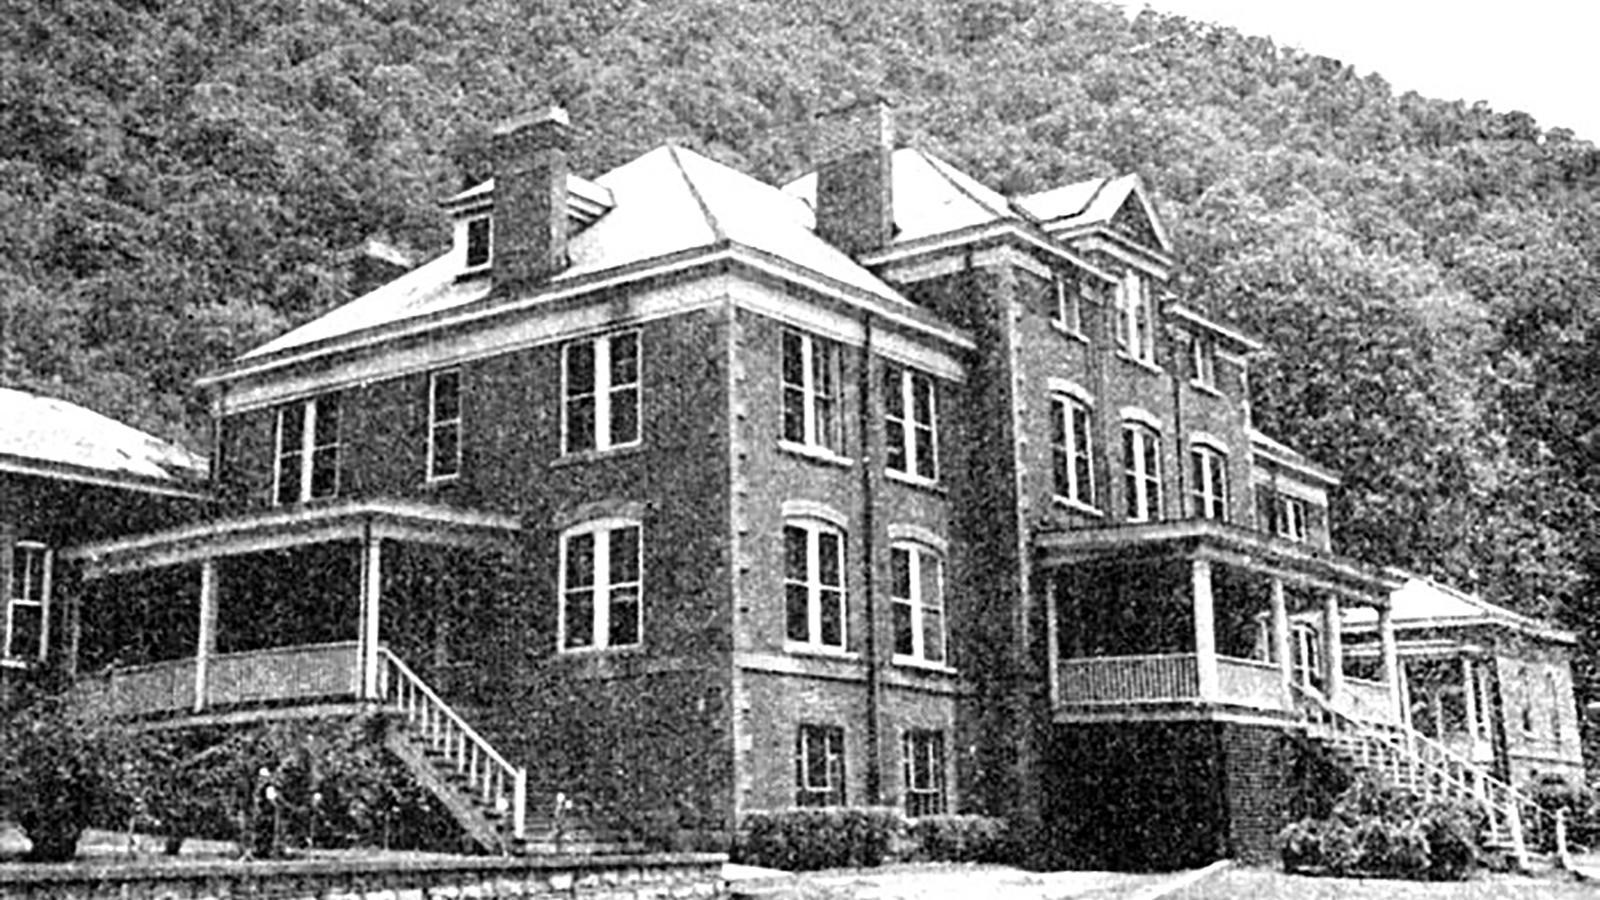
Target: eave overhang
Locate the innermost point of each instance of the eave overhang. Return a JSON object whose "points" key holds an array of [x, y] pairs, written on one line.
{"points": [[1297, 564], [1240, 341], [978, 235], [127, 481], [279, 529]]}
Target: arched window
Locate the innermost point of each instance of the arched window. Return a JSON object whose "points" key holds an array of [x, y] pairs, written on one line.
{"points": [[916, 592], [813, 584], [602, 582], [1141, 466], [1208, 482]]}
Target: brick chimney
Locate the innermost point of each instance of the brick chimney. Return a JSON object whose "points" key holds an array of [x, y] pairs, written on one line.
{"points": [[530, 197], [855, 196]]}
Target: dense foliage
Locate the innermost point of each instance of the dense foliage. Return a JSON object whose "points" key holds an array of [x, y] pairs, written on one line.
{"points": [[1375, 830], [802, 840], [177, 180]]}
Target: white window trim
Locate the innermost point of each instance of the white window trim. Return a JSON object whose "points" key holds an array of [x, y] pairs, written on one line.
{"points": [[1206, 492], [1063, 404], [937, 768], [919, 555], [43, 603], [603, 393], [603, 588], [814, 529], [1136, 338], [435, 425], [1203, 359], [1147, 503], [812, 440], [833, 761], [308, 409], [906, 382], [1068, 297], [1291, 528], [466, 242]]}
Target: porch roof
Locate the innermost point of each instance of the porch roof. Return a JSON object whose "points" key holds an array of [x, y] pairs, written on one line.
{"points": [[277, 529], [1254, 551]]}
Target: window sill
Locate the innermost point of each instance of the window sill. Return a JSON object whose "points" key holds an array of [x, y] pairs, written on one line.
{"points": [[20, 664], [475, 272], [799, 649], [918, 664], [1073, 333], [1145, 364], [1077, 506], [592, 652], [1208, 389], [580, 457], [931, 485], [816, 454], [440, 481]]}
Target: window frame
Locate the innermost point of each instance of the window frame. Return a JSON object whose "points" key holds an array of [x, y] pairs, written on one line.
{"points": [[916, 606], [1066, 455], [1296, 527], [1208, 482], [479, 233], [602, 393], [1142, 483], [821, 406], [602, 593], [1136, 318], [902, 382], [924, 796], [33, 595], [1068, 311], [827, 739], [1203, 361], [815, 531], [310, 449], [438, 425]]}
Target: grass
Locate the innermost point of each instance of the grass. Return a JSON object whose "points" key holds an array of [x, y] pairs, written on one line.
{"points": [[1264, 884]]}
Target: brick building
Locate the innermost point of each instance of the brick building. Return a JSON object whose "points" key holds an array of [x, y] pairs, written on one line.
{"points": [[674, 492]]}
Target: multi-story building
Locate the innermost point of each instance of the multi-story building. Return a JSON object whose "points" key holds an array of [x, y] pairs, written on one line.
{"points": [[676, 492]]}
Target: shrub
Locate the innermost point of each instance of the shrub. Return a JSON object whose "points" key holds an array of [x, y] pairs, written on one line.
{"points": [[1454, 832], [808, 839], [1395, 849], [66, 764], [960, 838], [1300, 845], [1375, 830]]}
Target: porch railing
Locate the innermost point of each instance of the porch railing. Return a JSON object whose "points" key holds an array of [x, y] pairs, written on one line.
{"points": [[1130, 679], [1369, 700], [273, 675], [1250, 682], [494, 780]]}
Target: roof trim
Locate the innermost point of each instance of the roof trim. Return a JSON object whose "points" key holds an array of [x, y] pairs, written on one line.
{"points": [[62, 471], [1277, 453], [977, 234], [1238, 338]]}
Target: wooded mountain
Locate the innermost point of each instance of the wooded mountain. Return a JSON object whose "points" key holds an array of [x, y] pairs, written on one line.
{"points": [[177, 179]]}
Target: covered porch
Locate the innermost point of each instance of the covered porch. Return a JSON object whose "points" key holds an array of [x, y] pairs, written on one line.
{"points": [[1196, 619], [287, 609]]}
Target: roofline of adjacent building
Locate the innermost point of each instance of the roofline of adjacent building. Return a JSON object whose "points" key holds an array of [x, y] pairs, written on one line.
{"points": [[1271, 450], [130, 481], [911, 318], [1491, 614], [979, 234], [1250, 344]]}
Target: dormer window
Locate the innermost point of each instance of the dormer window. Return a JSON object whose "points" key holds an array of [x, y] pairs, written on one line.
{"points": [[478, 242], [1136, 318]]}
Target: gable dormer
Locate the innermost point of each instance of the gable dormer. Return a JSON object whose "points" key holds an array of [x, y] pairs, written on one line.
{"points": [[1110, 220]]}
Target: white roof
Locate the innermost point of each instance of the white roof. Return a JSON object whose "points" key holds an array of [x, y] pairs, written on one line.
{"points": [[930, 197], [1421, 603], [54, 432]]}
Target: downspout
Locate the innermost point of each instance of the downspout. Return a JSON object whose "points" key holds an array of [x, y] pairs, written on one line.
{"points": [[869, 490]]}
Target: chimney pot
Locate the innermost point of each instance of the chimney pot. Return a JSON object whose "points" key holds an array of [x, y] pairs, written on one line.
{"points": [[530, 197]]}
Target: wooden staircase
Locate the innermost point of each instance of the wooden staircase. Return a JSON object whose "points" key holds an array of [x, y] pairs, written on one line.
{"points": [[1414, 762]]}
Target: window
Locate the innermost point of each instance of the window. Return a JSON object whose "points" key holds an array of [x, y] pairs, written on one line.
{"points": [[444, 425], [1203, 361], [1306, 648], [910, 422], [923, 753], [1289, 518], [27, 603], [811, 392], [1141, 465], [1208, 484], [308, 450], [600, 390], [916, 592], [819, 766], [478, 237], [1136, 318], [1069, 305], [813, 583], [1071, 449], [601, 586]]}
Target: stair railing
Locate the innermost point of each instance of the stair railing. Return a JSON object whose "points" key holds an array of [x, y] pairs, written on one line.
{"points": [[488, 773]]}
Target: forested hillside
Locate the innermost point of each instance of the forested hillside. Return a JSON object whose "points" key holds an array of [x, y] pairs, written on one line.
{"points": [[176, 180]]}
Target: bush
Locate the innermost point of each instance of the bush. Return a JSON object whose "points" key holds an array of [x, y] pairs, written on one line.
{"points": [[67, 764], [1375, 830], [809, 839], [960, 838], [1454, 832]]}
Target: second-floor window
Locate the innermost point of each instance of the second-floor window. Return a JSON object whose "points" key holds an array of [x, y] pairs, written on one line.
{"points": [[308, 450], [600, 392], [811, 380], [27, 603], [1141, 466], [1068, 305], [910, 422], [1071, 449], [819, 766], [444, 425], [916, 591], [1208, 482], [813, 583], [1289, 518], [601, 585], [1136, 318], [1203, 361]]}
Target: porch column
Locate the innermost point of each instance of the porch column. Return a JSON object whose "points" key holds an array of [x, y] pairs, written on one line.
{"points": [[1205, 630], [1280, 643], [1053, 636], [1333, 651], [1469, 699], [206, 643], [1391, 660], [371, 589]]}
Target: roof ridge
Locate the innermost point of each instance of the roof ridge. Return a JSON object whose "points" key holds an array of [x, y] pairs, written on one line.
{"points": [[694, 190]]}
